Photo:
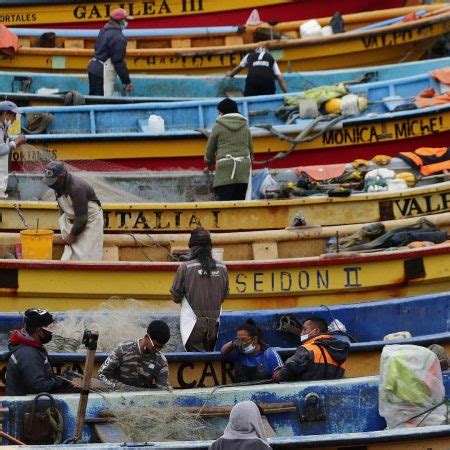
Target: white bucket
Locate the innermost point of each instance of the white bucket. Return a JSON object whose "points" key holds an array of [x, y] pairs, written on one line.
{"points": [[217, 253], [156, 124]]}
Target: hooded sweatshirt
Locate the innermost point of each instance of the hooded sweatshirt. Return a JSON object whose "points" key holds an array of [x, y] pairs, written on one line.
{"points": [[28, 370], [230, 136], [319, 358]]}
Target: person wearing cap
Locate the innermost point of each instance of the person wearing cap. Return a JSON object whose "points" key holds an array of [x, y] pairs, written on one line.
{"points": [[81, 219], [108, 60], [29, 370], [263, 70], [140, 363], [230, 148], [8, 115], [200, 286]]}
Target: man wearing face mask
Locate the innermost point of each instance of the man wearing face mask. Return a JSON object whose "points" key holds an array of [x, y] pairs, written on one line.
{"points": [[320, 356], [81, 219], [28, 370], [108, 60], [8, 115], [138, 364]]}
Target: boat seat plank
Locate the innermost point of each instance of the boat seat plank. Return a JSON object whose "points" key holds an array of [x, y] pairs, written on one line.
{"points": [[265, 250], [111, 432]]}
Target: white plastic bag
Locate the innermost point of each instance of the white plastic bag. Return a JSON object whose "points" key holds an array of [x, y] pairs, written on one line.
{"points": [[411, 385]]}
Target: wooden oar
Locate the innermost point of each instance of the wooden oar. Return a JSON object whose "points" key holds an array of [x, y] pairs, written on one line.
{"points": [[90, 339]]}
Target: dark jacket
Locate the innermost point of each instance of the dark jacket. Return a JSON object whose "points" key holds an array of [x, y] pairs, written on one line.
{"points": [[81, 193], [28, 370], [320, 358], [110, 43]]}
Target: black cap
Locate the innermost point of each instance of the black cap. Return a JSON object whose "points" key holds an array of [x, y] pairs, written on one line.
{"points": [[227, 106], [38, 318], [53, 171]]}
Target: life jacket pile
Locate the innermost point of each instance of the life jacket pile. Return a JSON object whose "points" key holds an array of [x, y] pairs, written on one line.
{"points": [[428, 160]]}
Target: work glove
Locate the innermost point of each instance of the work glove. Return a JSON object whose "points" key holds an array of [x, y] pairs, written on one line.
{"points": [[238, 345]]}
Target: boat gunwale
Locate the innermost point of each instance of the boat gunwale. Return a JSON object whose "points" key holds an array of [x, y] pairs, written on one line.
{"points": [[292, 263]]}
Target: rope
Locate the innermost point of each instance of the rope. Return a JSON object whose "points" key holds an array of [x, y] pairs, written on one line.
{"points": [[302, 137], [55, 424]]}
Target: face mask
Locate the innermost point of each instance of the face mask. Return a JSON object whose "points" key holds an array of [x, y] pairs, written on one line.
{"points": [[46, 336], [248, 349], [7, 123], [304, 337], [124, 24], [57, 186]]}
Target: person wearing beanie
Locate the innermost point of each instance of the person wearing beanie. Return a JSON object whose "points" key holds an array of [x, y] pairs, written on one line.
{"points": [[200, 286], [108, 60], [262, 72], [81, 219], [28, 370], [230, 148], [138, 364]]}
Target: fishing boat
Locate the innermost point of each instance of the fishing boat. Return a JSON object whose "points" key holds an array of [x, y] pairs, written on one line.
{"points": [[373, 38], [175, 204], [365, 322], [341, 419], [95, 137], [266, 271], [170, 13], [32, 89]]}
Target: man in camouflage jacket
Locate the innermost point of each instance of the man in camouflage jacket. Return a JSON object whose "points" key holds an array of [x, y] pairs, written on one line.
{"points": [[138, 364]]}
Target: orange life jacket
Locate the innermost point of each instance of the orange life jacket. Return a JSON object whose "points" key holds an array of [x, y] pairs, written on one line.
{"points": [[428, 160], [428, 97], [321, 354]]}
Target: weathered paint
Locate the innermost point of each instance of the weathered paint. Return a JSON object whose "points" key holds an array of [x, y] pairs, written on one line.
{"points": [[351, 419], [182, 86], [404, 41], [170, 13], [239, 216], [364, 321], [94, 137], [268, 284]]}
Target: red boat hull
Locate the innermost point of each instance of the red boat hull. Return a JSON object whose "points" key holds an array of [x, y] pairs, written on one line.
{"points": [[303, 9], [297, 158]]}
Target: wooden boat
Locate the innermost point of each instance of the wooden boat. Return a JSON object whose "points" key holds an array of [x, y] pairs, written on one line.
{"points": [[24, 87], [266, 271], [364, 321], [202, 51], [170, 13], [142, 216], [95, 137], [348, 421]]}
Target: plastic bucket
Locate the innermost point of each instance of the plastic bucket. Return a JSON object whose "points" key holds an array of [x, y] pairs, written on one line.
{"points": [[217, 253], [37, 244]]}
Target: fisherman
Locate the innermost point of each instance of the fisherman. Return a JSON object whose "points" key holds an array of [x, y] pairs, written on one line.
{"points": [[262, 72], [319, 357], [253, 359], [108, 60], [200, 285], [8, 115], [81, 219], [140, 363], [28, 370], [245, 430], [230, 147]]}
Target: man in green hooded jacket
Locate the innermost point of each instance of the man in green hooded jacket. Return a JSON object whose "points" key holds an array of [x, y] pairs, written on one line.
{"points": [[230, 147]]}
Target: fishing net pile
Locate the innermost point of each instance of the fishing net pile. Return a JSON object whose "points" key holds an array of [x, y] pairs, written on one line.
{"points": [[116, 321], [168, 423]]}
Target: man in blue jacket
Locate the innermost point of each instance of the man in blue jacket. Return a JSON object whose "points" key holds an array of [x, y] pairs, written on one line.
{"points": [[28, 370], [108, 60]]}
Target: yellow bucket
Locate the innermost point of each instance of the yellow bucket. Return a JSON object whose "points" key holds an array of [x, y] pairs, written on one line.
{"points": [[37, 244]]}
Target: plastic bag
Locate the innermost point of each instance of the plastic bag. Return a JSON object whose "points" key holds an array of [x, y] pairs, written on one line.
{"points": [[262, 181], [411, 385]]}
